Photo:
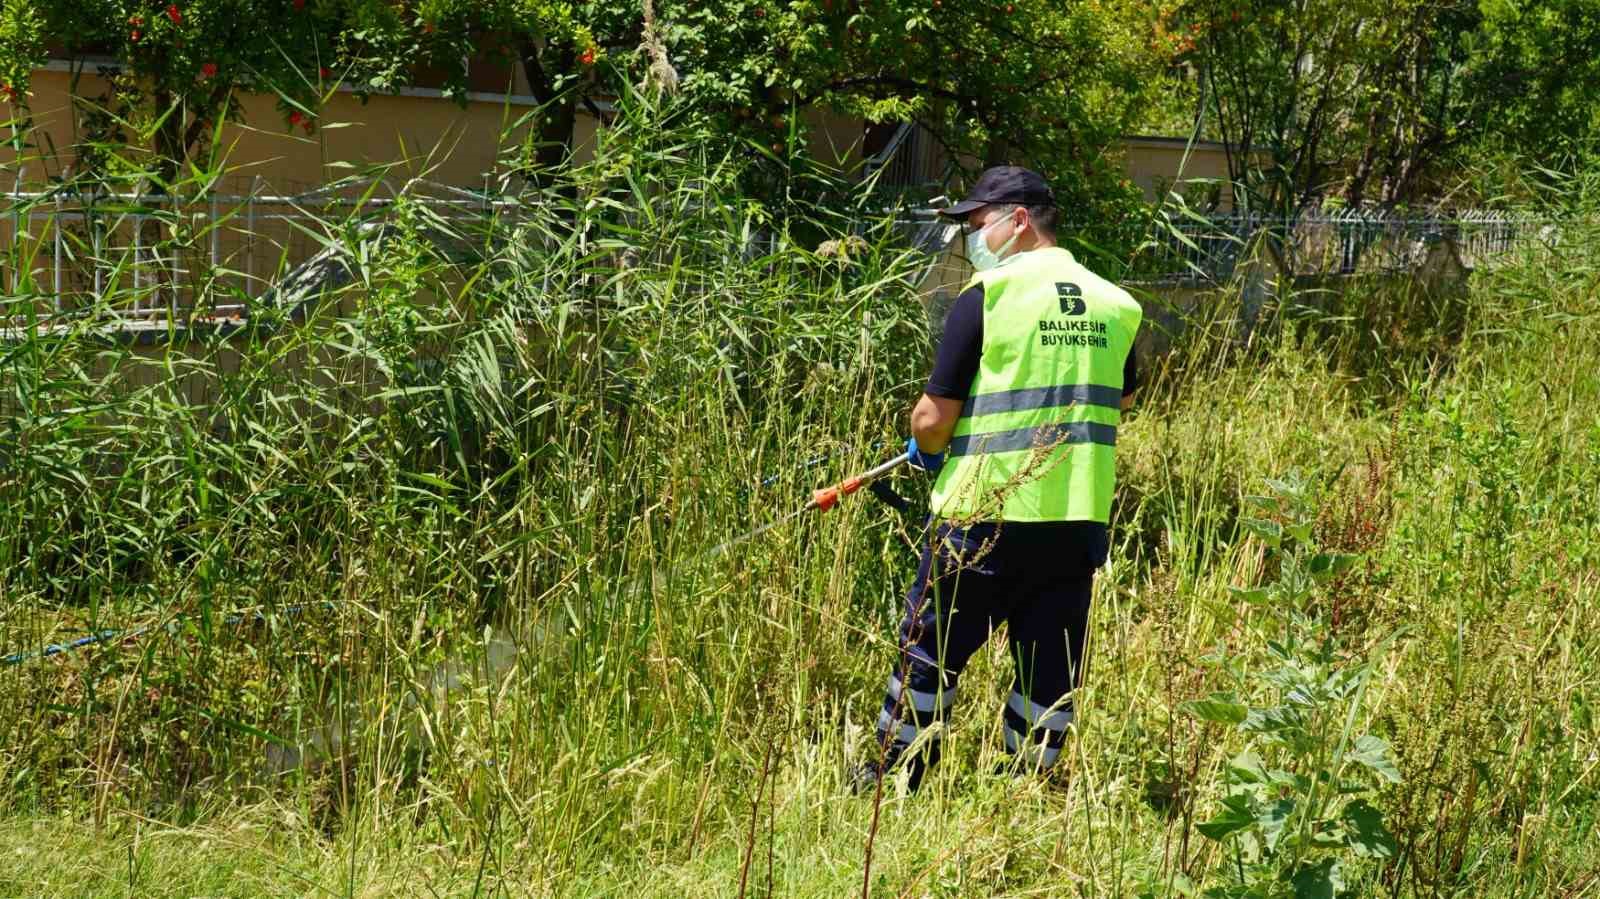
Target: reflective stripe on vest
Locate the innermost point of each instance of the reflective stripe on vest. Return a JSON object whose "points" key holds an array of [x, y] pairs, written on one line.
{"points": [[1043, 398], [1036, 437], [1042, 437]]}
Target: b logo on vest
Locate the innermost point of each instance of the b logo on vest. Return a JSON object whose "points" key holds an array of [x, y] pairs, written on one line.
{"points": [[1071, 297]]}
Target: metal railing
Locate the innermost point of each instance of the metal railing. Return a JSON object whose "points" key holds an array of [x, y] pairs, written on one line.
{"points": [[164, 257], [1345, 242], [905, 162]]}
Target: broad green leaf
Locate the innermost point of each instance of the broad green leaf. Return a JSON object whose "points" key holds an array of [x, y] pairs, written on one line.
{"points": [[1223, 708], [1329, 837], [1271, 821], [1265, 503], [1327, 565], [1368, 836], [1270, 532], [1271, 720], [1291, 488], [1374, 753], [1281, 778], [1315, 881], [1246, 767], [1235, 816]]}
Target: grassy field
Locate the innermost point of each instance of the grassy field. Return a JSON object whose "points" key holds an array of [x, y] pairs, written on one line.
{"points": [[431, 609]]}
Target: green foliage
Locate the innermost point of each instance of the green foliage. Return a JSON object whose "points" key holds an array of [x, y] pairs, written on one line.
{"points": [[542, 426], [1383, 101], [1045, 82], [1049, 84], [1297, 809], [21, 40], [532, 366], [182, 64], [1276, 80], [1369, 101], [1538, 65]]}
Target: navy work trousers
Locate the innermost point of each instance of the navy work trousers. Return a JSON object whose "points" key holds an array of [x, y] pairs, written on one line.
{"points": [[1036, 579]]}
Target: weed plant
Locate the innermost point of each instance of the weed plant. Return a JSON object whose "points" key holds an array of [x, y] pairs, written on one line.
{"points": [[424, 568]]}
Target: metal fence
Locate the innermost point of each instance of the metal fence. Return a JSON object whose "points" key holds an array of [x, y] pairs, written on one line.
{"points": [[908, 160], [1209, 249], [161, 256]]}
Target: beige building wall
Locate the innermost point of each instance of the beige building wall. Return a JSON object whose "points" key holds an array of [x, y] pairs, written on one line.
{"points": [[834, 138], [1159, 165], [419, 132]]}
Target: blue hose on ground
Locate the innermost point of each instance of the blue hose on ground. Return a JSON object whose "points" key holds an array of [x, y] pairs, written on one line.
{"points": [[879, 489], [101, 636]]}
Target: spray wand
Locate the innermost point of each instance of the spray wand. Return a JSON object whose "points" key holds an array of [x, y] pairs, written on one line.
{"points": [[821, 500], [828, 497]]}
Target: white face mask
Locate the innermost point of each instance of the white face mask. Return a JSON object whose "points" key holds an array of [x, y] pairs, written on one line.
{"points": [[978, 252]]}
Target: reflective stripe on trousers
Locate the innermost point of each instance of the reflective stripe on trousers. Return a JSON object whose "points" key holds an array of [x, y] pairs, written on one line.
{"points": [[1050, 723], [908, 711]]}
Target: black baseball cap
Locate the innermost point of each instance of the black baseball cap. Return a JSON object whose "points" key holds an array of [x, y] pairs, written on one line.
{"points": [[1004, 184]]}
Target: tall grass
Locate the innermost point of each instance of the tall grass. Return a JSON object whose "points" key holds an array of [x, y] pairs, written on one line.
{"points": [[431, 610]]}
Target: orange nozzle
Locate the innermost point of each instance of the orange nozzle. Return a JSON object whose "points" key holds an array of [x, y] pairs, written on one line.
{"points": [[825, 498], [828, 497]]}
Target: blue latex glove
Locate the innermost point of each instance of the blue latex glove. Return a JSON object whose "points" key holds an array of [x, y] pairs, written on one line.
{"points": [[928, 462]]}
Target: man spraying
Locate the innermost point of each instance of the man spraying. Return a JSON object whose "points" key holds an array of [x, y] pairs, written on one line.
{"points": [[1031, 377]]}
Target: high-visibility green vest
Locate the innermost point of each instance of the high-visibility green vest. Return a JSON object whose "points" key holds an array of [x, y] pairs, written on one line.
{"points": [[1037, 434]]}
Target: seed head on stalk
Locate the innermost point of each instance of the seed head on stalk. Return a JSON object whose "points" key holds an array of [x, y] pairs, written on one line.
{"points": [[660, 74]]}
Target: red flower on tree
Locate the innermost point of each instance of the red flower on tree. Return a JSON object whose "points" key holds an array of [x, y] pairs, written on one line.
{"points": [[295, 117], [587, 56], [174, 14], [208, 70], [324, 72]]}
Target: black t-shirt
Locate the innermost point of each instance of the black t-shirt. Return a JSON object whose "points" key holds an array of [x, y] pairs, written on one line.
{"points": [[956, 363], [954, 367]]}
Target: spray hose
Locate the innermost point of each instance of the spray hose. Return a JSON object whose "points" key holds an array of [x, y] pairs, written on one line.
{"points": [[828, 497], [822, 500]]}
